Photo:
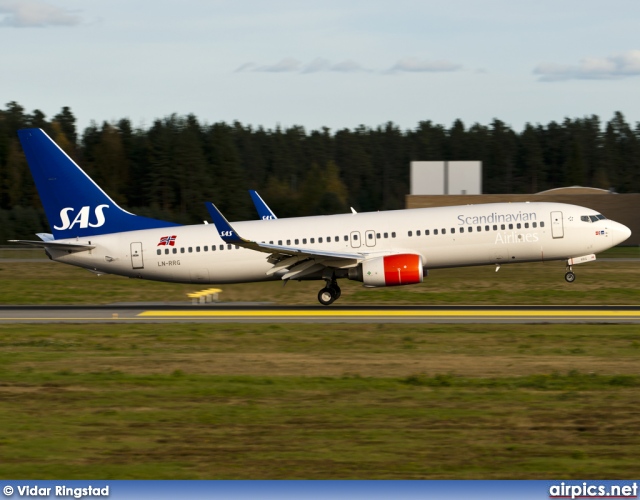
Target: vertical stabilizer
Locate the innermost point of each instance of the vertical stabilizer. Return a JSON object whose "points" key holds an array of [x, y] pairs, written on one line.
{"points": [[75, 205]]}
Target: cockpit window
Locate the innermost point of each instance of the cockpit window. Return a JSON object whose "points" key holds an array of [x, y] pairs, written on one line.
{"points": [[592, 218]]}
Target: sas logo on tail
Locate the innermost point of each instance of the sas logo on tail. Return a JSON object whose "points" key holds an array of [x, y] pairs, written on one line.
{"points": [[82, 218]]}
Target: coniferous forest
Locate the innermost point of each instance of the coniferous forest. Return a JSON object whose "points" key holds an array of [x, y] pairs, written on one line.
{"points": [[171, 168]]}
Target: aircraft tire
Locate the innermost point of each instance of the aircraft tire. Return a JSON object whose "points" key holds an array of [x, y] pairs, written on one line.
{"points": [[570, 277], [326, 296]]}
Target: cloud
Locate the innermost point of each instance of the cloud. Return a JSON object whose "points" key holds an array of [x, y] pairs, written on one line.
{"points": [[34, 13], [592, 68], [411, 65], [286, 65], [290, 65], [320, 64]]}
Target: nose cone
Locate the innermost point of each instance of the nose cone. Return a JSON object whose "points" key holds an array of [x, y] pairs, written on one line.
{"points": [[621, 233]]}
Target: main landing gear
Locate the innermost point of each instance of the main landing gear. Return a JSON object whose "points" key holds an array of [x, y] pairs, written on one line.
{"points": [[330, 293]]}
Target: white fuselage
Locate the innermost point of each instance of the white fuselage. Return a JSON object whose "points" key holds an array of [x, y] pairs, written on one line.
{"points": [[467, 235]]}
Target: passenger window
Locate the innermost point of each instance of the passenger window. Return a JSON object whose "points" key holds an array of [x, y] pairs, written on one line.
{"points": [[435, 232], [288, 242], [190, 249], [462, 230], [370, 236], [280, 242], [502, 227], [378, 235], [526, 225], [386, 235], [410, 233], [534, 224], [271, 243], [393, 234], [312, 240], [346, 238], [237, 247], [175, 250], [229, 247], [304, 241], [487, 228], [221, 247], [471, 229], [206, 248], [418, 232], [444, 231], [355, 237], [453, 230], [213, 248], [320, 239], [337, 239], [510, 226], [426, 232], [518, 226], [197, 249], [297, 241], [541, 223], [181, 249], [159, 252]]}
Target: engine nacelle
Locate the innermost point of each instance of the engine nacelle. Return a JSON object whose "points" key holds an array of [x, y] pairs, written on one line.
{"points": [[390, 270]]}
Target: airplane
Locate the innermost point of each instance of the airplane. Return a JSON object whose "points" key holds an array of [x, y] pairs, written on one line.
{"points": [[379, 249]]}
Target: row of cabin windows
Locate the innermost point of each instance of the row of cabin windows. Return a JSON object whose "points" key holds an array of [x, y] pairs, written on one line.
{"points": [[312, 241], [479, 229], [328, 239], [205, 248]]}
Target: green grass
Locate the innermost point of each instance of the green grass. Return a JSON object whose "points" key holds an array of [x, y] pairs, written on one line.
{"points": [[538, 283], [318, 402]]}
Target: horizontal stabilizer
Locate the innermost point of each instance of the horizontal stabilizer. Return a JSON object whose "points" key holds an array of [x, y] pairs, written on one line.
{"points": [[73, 247]]}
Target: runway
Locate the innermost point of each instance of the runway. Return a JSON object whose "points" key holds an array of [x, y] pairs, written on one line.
{"points": [[158, 313]]}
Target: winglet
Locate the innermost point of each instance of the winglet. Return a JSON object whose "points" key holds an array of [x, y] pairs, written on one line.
{"points": [[226, 232], [264, 211]]}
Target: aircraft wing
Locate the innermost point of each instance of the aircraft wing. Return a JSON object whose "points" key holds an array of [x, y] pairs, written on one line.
{"points": [[298, 261]]}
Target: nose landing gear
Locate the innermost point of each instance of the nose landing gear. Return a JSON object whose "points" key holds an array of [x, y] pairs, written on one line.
{"points": [[570, 277]]}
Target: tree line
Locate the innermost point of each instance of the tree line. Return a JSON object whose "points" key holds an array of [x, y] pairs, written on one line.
{"points": [[169, 169]]}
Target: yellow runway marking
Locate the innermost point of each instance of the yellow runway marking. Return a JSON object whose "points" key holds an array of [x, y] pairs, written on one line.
{"points": [[390, 314]]}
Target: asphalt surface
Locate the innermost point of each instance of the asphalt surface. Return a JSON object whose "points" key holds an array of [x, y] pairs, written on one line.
{"points": [[262, 313]]}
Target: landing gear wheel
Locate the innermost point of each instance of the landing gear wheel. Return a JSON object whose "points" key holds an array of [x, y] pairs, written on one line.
{"points": [[336, 291], [570, 277], [326, 296]]}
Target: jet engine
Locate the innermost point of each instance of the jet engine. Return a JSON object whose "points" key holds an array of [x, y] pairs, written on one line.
{"points": [[389, 270]]}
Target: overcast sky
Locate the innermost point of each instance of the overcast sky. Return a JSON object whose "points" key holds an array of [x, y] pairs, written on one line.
{"points": [[334, 63]]}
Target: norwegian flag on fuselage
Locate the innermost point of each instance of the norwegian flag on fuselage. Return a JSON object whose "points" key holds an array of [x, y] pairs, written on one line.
{"points": [[167, 240]]}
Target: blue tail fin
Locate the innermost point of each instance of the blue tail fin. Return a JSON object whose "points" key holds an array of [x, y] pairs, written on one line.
{"points": [[263, 209], [75, 206]]}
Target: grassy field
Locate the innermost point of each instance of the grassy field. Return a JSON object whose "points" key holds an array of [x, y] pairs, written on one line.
{"points": [[234, 401], [610, 282], [312, 401]]}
